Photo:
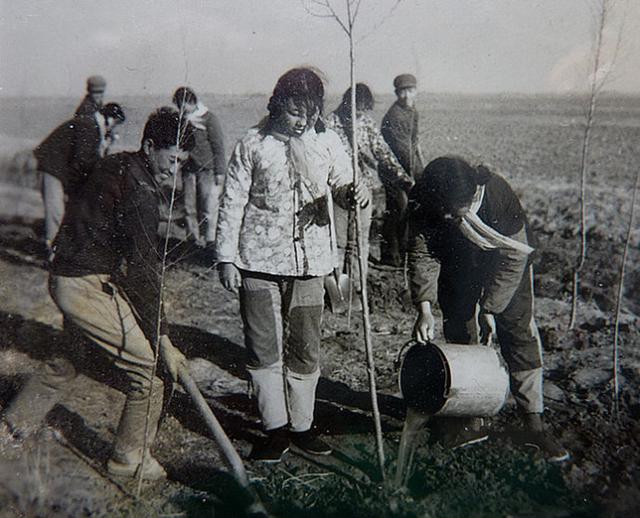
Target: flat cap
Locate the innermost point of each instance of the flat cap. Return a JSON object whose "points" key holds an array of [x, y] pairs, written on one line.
{"points": [[96, 84], [405, 81]]}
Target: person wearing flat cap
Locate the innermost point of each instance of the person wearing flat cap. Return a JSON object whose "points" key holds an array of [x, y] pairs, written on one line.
{"points": [[92, 102], [400, 129]]}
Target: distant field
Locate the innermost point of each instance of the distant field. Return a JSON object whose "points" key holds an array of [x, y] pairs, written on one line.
{"points": [[528, 139]]}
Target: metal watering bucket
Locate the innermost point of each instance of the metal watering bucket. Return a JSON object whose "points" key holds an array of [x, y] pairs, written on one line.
{"points": [[453, 379]]}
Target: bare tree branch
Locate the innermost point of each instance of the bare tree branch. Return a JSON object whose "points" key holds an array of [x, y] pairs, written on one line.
{"points": [[381, 22], [326, 11]]}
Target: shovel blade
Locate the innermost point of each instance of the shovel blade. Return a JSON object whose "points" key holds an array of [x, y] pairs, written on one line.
{"points": [[337, 289]]}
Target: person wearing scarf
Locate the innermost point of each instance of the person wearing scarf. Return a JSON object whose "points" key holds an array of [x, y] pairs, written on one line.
{"points": [[470, 250], [204, 172], [274, 247]]}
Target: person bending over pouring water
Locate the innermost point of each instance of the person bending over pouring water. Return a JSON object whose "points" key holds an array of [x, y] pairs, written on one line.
{"points": [[470, 251]]}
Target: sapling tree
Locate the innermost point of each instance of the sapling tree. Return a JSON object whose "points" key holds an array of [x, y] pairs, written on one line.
{"points": [[229, 453], [600, 71], [346, 17], [616, 325]]}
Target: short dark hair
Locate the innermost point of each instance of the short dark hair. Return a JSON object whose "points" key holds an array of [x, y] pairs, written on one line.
{"points": [[183, 95], [114, 111], [166, 128], [304, 87], [448, 182], [364, 98]]}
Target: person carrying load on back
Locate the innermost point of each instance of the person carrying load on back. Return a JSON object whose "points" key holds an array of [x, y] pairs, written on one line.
{"points": [[469, 250], [106, 280], [274, 246], [67, 156]]}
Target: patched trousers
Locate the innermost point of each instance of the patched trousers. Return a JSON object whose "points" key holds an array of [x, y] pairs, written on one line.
{"points": [[282, 318], [93, 305], [459, 292]]}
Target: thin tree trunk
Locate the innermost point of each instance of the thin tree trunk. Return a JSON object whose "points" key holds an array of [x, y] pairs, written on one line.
{"points": [[616, 326], [586, 145], [371, 372]]}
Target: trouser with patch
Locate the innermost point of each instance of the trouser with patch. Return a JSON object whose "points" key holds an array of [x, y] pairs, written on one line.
{"points": [[458, 294], [282, 317], [201, 199], [53, 198], [95, 306]]}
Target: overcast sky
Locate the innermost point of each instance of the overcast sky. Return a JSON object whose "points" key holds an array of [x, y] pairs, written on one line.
{"points": [[49, 47]]}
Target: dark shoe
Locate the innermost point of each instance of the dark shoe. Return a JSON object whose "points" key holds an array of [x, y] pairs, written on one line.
{"points": [[548, 445], [308, 441], [272, 449]]}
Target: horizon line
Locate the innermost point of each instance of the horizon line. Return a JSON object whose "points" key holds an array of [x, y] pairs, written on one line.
{"points": [[543, 93]]}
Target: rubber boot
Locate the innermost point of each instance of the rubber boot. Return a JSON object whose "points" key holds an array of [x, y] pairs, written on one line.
{"points": [[43, 390], [126, 459]]}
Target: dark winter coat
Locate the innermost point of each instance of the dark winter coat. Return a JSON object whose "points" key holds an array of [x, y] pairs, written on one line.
{"points": [[400, 129], [438, 247], [88, 107], [208, 152], [112, 228], [70, 152]]}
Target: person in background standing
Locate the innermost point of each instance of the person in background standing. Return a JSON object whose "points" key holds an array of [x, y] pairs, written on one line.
{"points": [[400, 130], [374, 157], [92, 102], [204, 173]]}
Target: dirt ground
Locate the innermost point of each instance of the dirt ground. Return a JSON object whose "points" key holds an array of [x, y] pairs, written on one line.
{"points": [[60, 472]]}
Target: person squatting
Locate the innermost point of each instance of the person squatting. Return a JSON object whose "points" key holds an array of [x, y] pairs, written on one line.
{"points": [[288, 185]]}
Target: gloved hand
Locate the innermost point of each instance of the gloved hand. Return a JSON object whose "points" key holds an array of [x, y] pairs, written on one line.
{"points": [[487, 324], [173, 359]]}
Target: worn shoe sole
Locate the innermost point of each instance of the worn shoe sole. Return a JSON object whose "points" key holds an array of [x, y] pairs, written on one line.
{"points": [[118, 469], [555, 459], [269, 460], [322, 453], [470, 442]]}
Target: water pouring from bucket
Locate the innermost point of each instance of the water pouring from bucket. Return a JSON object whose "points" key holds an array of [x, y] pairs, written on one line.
{"points": [[449, 380]]}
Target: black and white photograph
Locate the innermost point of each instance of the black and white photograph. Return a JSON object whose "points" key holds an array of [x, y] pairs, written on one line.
{"points": [[319, 258]]}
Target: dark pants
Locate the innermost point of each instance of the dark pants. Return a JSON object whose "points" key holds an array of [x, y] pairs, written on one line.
{"points": [[459, 292], [395, 230]]}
